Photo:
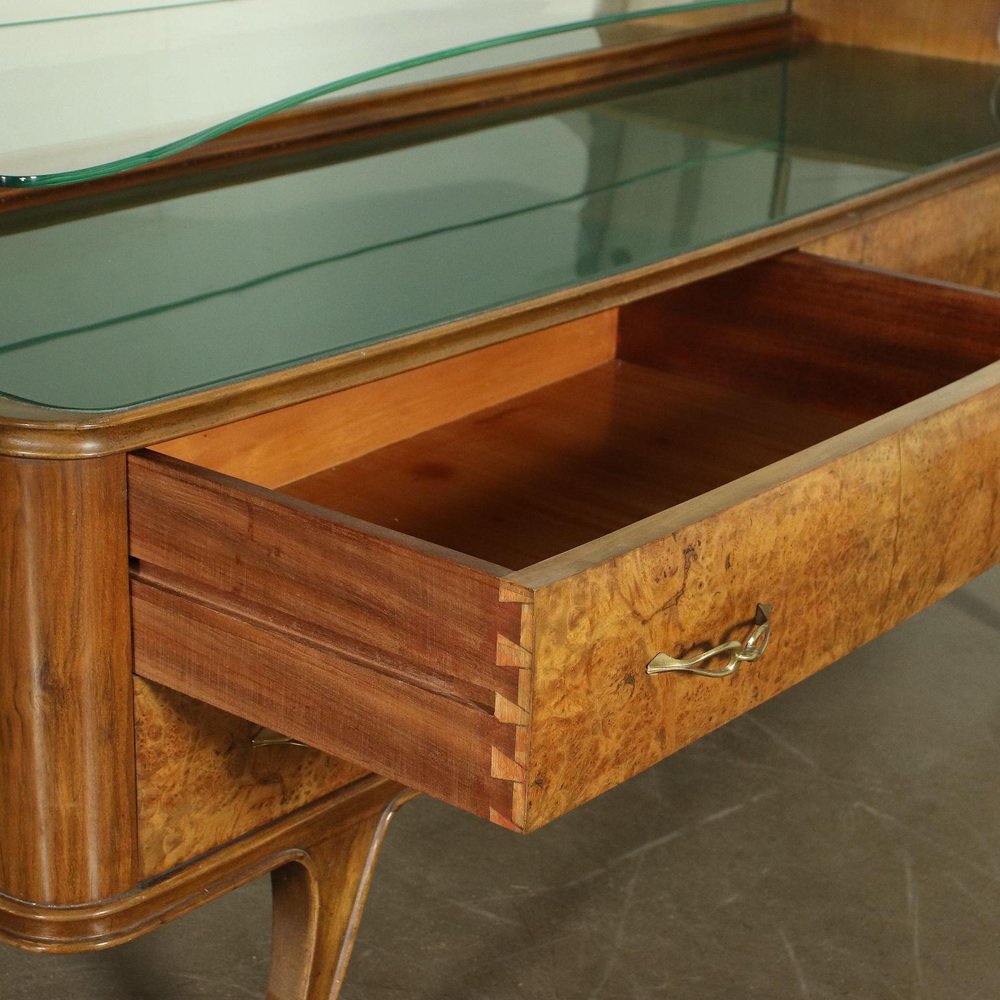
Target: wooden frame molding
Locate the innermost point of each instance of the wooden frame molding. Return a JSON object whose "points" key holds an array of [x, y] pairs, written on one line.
{"points": [[284, 138], [948, 29], [114, 920], [27, 430]]}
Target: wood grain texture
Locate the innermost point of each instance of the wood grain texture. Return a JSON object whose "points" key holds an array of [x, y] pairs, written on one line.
{"points": [[201, 782], [405, 608], [122, 918], [952, 29], [515, 648], [722, 378], [314, 693], [717, 495], [318, 899], [559, 467], [297, 441], [949, 505], [844, 549], [828, 337], [954, 236], [836, 537], [67, 781]]}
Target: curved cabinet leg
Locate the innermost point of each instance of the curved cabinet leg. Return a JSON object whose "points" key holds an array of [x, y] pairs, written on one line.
{"points": [[318, 899]]}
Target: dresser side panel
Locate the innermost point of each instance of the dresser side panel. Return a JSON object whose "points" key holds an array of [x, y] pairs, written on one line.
{"points": [[67, 777]]}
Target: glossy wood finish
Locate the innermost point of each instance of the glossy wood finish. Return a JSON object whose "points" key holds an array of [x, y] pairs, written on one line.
{"points": [[316, 692], [202, 782], [956, 29], [525, 693], [403, 607], [802, 329], [67, 780], [559, 467], [146, 906], [699, 455], [318, 901], [720, 378], [952, 237], [398, 641], [296, 441]]}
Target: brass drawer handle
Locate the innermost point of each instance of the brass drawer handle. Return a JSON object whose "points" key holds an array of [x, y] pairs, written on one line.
{"points": [[262, 737], [738, 652]]}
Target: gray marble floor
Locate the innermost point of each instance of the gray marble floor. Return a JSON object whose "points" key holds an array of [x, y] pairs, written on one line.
{"points": [[841, 841]]}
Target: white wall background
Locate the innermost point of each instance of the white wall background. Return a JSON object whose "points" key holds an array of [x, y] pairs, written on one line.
{"points": [[87, 81]]}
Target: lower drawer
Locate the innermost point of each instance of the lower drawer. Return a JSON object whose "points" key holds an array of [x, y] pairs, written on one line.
{"points": [[457, 577], [205, 778]]}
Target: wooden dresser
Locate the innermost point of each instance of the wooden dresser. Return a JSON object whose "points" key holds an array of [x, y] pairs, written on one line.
{"points": [[599, 461]]}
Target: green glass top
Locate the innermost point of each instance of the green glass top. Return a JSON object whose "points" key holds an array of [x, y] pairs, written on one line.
{"points": [[147, 302]]}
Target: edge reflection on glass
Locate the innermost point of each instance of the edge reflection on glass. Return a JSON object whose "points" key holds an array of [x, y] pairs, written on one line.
{"points": [[336, 86]]}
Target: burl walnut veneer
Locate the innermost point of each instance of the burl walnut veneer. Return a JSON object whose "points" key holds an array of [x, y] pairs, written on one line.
{"points": [[445, 560]]}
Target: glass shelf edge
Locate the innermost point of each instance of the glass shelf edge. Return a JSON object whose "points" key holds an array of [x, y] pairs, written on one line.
{"points": [[120, 165]]}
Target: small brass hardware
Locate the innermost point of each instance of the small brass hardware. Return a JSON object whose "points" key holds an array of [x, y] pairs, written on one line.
{"points": [[750, 650], [269, 738]]}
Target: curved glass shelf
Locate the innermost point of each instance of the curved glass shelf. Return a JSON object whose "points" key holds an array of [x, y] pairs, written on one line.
{"points": [[129, 85], [114, 310]]}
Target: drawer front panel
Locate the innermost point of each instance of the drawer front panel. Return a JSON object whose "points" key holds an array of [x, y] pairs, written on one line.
{"points": [[843, 551], [202, 781]]}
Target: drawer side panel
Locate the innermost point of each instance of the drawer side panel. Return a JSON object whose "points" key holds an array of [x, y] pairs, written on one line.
{"points": [[923, 239], [412, 614], [949, 505], [319, 696]]}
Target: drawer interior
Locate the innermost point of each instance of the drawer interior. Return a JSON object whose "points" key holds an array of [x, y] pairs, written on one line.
{"points": [[422, 575], [524, 480], [671, 397]]}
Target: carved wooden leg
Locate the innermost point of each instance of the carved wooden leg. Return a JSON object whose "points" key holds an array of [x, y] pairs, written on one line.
{"points": [[318, 899]]}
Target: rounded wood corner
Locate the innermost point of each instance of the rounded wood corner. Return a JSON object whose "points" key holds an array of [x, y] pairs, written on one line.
{"points": [[106, 923]]}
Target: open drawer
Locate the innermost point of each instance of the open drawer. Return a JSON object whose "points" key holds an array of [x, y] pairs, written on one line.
{"points": [[457, 576]]}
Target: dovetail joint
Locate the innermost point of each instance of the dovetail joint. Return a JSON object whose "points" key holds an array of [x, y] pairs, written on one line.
{"points": [[517, 655]]}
